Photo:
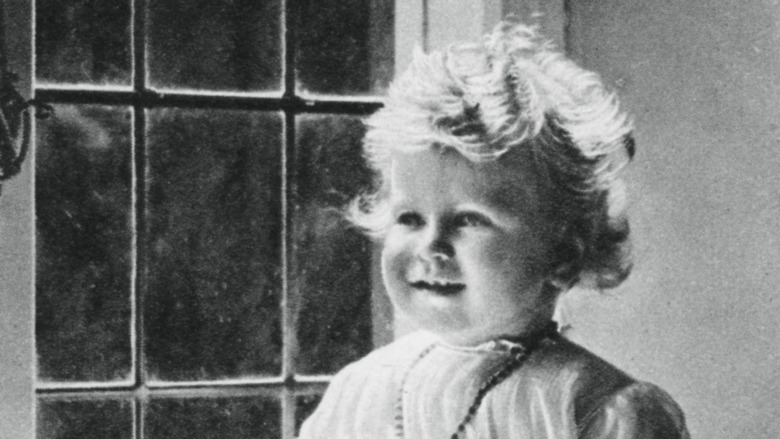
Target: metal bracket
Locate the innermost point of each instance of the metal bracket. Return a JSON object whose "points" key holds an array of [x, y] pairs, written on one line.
{"points": [[15, 125]]}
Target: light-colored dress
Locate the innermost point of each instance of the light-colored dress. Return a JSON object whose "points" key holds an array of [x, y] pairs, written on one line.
{"points": [[425, 388]]}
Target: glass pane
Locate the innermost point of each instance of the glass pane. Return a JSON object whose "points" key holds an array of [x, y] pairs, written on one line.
{"points": [[85, 419], [304, 407], [83, 42], [213, 418], [214, 222], [331, 269], [83, 247], [344, 47], [225, 45]]}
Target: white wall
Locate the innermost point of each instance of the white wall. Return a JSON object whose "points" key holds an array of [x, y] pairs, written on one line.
{"points": [[700, 314]]}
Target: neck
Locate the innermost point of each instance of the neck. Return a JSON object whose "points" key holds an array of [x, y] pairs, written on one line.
{"points": [[537, 328]]}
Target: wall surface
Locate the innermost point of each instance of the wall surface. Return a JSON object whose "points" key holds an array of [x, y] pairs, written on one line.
{"points": [[700, 314], [16, 299]]}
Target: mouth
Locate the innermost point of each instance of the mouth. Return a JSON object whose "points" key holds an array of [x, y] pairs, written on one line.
{"points": [[441, 288]]}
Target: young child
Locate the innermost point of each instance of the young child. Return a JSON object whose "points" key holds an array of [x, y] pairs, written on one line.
{"points": [[497, 192]]}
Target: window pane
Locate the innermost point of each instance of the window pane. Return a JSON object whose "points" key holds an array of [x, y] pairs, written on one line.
{"points": [[213, 418], [332, 260], [214, 222], [83, 255], [85, 419], [226, 45], [344, 47], [85, 42]]}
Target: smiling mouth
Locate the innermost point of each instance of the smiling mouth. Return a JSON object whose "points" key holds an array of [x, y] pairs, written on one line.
{"points": [[439, 288]]}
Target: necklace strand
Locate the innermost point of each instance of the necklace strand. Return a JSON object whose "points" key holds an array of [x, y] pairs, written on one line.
{"points": [[518, 354], [399, 405]]}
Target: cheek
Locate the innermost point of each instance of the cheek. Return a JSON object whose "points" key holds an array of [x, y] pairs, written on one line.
{"points": [[394, 257], [510, 256]]}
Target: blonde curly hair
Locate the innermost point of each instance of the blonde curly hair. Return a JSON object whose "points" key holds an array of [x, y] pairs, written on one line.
{"points": [[515, 90]]}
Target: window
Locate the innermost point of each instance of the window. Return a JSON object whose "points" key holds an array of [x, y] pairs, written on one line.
{"points": [[191, 273], [194, 277]]}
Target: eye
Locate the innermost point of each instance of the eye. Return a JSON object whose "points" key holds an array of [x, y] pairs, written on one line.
{"points": [[471, 219], [410, 219]]}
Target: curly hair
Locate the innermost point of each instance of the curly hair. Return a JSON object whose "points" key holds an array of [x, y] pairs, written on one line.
{"points": [[515, 90]]}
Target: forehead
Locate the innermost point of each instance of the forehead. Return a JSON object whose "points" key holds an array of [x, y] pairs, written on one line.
{"points": [[436, 176]]}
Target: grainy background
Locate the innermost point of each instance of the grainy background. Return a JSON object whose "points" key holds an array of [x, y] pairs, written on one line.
{"points": [[700, 314]]}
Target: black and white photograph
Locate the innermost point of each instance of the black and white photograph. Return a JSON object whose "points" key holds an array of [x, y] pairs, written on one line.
{"points": [[389, 219]]}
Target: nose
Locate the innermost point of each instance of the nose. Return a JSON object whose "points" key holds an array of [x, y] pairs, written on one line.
{"points": [[434, 245]]}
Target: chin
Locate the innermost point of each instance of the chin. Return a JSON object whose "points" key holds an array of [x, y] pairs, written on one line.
{"points": [[445, 328]]}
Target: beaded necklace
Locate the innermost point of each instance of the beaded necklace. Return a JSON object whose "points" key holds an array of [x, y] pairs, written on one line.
{"points": [[518, 349]]}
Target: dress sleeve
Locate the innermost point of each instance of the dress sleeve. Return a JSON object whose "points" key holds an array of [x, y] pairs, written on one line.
{"points": [[639, 411]]}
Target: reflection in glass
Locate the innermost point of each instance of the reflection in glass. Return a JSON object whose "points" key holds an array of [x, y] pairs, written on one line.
{"points": [[331, 268], [344, 47], [224, 45], [85, 419], [83, 244], [228, 418], [83, 42], [214, 224]]}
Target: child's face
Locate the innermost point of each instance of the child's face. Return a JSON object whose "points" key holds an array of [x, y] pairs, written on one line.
{"points": [[468, 251]]}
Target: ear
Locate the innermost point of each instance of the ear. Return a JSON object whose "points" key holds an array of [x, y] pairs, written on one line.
{"points": [[566, 269], [564, 276]]}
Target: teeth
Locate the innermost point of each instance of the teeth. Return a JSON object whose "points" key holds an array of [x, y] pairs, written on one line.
{"points": [[441, 287], [436, 283]]}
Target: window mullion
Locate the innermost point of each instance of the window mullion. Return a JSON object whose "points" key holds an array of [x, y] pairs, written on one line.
{"points": [[289, 337], [288, 47], [288, 387], [289, 291], [139, 208]]}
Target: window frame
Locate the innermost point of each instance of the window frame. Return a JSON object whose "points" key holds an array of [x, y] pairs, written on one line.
{"points": [[141, 98], [18, 393]]}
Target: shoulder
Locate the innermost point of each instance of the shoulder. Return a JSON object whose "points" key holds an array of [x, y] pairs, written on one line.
{"points": [[564, 367], [641, 410], [381, 364], [365, 391], [603, 399]]}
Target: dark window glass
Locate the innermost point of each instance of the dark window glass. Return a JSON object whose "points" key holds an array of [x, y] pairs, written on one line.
{"points": [[85, 419], [165, 242], [344, 47], [304, 407], [83, 42], [332, 260], [214, 233], [225, 45], [213, 418], [83, 246]]}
